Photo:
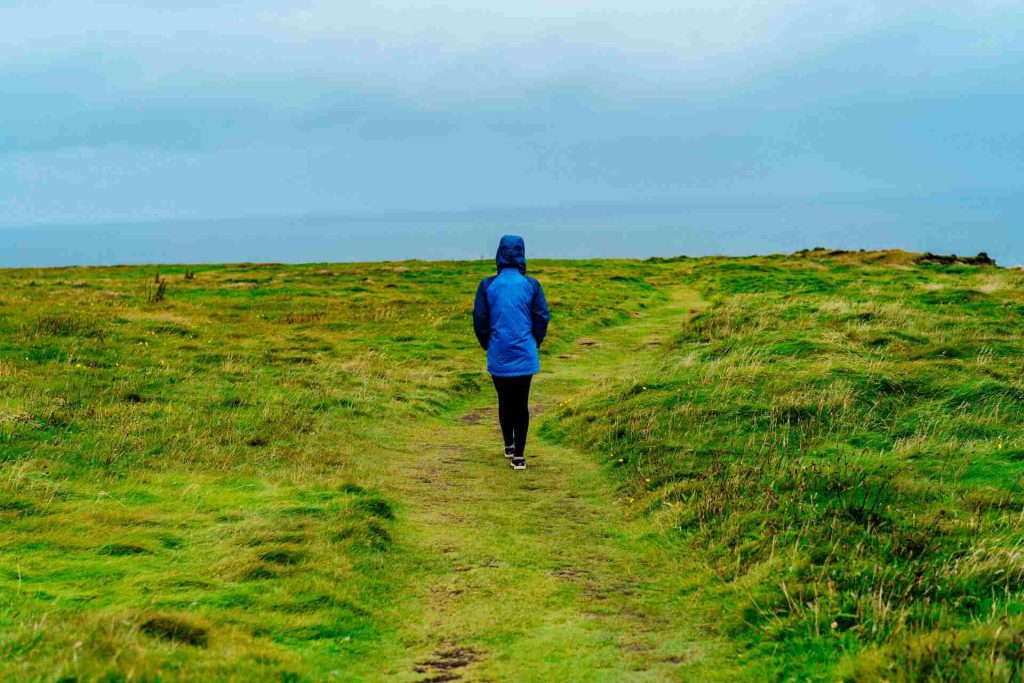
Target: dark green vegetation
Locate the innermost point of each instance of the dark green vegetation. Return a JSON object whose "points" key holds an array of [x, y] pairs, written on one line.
{"points": [[283, 473]]}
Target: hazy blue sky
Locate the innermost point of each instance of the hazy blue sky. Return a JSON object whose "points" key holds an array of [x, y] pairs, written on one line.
{"points": [[133, 110]]}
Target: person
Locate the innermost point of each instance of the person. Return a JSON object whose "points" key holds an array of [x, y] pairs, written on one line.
{"points": [[510, 318]]}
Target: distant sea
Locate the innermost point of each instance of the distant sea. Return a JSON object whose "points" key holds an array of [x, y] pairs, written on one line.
{"points": [[961, 225]]}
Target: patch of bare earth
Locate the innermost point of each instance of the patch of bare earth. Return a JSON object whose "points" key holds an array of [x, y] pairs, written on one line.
{"points": [[446, 664], [476, 416]]}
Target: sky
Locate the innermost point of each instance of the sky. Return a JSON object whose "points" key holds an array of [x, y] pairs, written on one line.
{"points": [[136, 111]]}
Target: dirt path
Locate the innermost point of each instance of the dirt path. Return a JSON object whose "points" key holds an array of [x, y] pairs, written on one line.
{"points": [[543, 574]]}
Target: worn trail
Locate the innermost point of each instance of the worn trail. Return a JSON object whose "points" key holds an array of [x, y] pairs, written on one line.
{"points": [[541, 574]]}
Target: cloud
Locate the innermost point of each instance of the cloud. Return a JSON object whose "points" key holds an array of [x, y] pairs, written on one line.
{"points": [[143, 109], [454, 51]]}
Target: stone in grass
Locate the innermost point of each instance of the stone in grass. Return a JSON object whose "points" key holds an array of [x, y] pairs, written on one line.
{"points": [[175, 629]]}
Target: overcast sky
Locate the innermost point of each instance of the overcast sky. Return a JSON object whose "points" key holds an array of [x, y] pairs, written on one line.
{"points": [[134, 110]]}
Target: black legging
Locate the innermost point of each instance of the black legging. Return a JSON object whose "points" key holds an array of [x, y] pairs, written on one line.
{"points": [[513, 410]]}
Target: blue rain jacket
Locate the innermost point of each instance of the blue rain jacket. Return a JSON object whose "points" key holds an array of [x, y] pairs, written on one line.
{"points": [[510, 316]]}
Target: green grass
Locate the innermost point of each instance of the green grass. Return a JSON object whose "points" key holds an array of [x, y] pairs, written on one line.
{"points": [[799, 467], [840, 441]]}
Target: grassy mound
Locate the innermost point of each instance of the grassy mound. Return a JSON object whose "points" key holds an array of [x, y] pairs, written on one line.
{"points": [[193, 488], [840, 436]]}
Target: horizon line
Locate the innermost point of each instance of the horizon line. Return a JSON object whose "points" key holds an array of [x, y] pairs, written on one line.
{"points": [[654, 258], [641, 205]]}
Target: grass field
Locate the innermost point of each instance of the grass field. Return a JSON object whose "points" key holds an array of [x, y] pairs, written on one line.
{"points": [[801, 467]]}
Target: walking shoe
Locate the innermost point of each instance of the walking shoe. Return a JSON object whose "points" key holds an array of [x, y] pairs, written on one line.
{"points": [[518, 463], [510, 451]]}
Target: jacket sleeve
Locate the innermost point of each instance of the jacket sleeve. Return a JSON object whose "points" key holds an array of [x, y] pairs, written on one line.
{"points": [[539, 313], [482, 315]]}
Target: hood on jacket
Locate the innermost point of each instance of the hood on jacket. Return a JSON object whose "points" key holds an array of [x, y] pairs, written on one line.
{"points": [[511, 253]]}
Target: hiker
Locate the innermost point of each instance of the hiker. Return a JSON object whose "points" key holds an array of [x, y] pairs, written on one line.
{"points": [[510, 318]]}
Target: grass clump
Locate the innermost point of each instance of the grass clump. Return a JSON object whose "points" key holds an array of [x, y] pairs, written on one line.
{"points": [[992, 652], [64, 325], [122, 549], [175, 629], [375, 506]]}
